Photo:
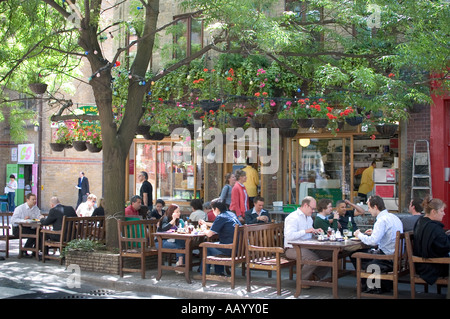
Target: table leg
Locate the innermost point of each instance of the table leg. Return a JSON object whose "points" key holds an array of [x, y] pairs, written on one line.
{"points": [[187, 257], [298, 280], [160, 259], [335, 274]]}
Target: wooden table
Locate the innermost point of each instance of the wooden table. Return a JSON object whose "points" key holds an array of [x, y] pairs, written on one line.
{"points": [[33, 224], [189, 240], [335, 247]]}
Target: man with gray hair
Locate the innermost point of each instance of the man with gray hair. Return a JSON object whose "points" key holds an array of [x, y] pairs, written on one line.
{"points": [[55, 216]]}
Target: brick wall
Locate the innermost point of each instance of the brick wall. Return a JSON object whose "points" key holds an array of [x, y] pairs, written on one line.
{"points": [[418, 127]]}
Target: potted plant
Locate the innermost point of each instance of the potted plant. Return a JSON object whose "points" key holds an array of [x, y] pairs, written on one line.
{"points": [[94, 138], [285, 117], [351, 117], [263, 113], [238, 116], [63, 139], [302, 113], [79, 138], [36, 84], [319, 113]]}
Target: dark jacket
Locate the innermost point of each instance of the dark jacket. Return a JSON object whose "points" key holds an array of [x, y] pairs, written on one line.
{"points": [[430, 241], [55, 217], [84, 186], [251, 218]]}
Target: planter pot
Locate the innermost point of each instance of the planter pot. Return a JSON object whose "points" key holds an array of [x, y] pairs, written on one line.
{"points": [[288, 132], [93, 148], [238, 121], [142, 129], [283, 123], [319, 123], [38, 88], [354, 121], [57, 147], [387, 129], [208, 105], [255, 124], [197, 116], [154, 136], [263, 118], [79, 146], [304, 123]]}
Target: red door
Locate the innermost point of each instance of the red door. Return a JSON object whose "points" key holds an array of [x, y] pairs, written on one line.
{"points": [[440, 151]]}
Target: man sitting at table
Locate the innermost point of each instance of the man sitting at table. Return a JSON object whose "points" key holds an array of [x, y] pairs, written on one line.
{"points": [[55, 216], [257, 214], [133, 209], [344, 214], [22, 213], [383, 235], [298, 226], [223, 225]]}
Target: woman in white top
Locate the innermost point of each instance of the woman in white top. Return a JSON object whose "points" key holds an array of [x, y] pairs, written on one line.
{"points": [[87, 208], [11, 187]]}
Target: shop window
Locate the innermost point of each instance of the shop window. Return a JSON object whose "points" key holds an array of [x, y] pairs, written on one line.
{"points": [[171, 170], [188, 37]]}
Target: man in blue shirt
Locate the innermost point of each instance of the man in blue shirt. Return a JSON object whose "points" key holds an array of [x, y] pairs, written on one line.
{"points": [[223, 226]]}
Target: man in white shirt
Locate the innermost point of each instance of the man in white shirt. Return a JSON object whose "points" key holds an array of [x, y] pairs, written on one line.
{"points": [[26, 211], [382, 235], [298, 226]]}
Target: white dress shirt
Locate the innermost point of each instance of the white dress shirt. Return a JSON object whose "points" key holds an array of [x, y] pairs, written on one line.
{"points": [[384, 232], [23, 211], [295, 226]]}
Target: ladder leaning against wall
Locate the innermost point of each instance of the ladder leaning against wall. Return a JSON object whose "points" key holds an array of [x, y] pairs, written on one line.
{"points": [[421, 159]]}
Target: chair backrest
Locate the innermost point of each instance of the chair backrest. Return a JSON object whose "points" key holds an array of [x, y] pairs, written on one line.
{"points": [[400, 255], [92, 228], [6, 230], [132, 234], [264, 235], [409, 237], [238, 251]]}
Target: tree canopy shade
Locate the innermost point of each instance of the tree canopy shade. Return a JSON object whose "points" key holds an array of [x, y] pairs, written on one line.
{"points": [[376, 55]]}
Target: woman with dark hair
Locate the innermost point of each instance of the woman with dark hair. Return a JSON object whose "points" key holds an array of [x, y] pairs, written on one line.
{"points": [[223, 225], [171, 220], [239, 197], [431, 241], [11, 187], [158, 212]]}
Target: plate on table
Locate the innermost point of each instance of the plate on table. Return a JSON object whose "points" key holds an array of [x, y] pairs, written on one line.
{"points": [[355, 239]]}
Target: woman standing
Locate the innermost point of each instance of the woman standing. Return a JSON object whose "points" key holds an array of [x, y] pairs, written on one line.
{"points": [[171, 220], [431, 241], [225, 195], [239, 197], [11, 187]]}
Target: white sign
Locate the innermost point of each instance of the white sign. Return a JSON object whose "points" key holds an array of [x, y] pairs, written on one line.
{"points": [[14, 154], [26, 154]]}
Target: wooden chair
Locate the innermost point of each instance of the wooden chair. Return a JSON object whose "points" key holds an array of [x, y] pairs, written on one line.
{"points": [[415, 278], [91, 228], [6, 232], [136, 241], [264, 251], [400, 268], [237, 256]]}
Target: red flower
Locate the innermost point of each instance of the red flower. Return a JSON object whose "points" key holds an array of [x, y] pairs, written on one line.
{"points": [[391, 75], [257, 94], [205, 69], [230, 78], [373, 136], [161, 99]]}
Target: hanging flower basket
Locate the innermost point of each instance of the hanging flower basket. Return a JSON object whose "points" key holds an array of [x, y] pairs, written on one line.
{"points": [[263, 118], [288, 132], [154, 136], [283, 123], [79, 146], [387, 129], [319, 123], [304, 123], [238, 121], [208, 105], [57, 147], [38, 88], [255, 124], [142, 129], [173, 127], [197, 116], [354, 121], [93, 148]]}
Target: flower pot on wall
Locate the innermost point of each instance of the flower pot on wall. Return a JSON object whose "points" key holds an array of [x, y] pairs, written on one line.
{"points": [[354, 121], [283, 123], [304, 123], [319, 123], [387, 129], [93, 148], [79, 146], [238, 121], [57, 147]]}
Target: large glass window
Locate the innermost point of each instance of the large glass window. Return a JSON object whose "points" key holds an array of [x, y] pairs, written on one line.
{"points": [[171, 170], [188, 37]]}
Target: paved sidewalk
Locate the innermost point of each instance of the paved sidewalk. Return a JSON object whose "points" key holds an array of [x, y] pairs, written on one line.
{"points": [[175, 285]]}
